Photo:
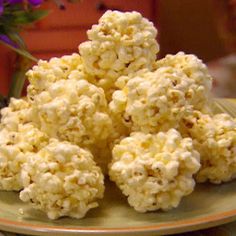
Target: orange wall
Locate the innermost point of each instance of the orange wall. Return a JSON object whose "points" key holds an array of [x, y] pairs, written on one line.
{"points": [[184, 25], [6, 66]]}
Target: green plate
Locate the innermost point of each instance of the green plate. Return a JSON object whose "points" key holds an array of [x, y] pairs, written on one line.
{"points": [[209, 205]]}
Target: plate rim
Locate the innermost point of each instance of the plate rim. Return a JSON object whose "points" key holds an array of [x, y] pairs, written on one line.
{"points": [[178, 226]]}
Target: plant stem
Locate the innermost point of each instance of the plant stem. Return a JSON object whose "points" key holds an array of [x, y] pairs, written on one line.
{"points": [[18, 78]]}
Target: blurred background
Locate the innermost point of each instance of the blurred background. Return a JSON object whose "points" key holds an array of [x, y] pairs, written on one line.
{"points": [[206, 28]]}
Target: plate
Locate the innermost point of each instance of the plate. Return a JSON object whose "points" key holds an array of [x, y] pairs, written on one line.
{"points": [[209, 205]]}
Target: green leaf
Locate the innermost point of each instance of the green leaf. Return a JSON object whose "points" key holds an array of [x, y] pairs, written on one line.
{"points": [[37, 15], [28, 17], [21, 52], [22, 65], [16, 38]]}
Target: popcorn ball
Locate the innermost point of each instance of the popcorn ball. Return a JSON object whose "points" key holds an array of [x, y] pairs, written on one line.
{"points": [[196, 71], [154, 101], [62, 180], [45, 73], [14, 145], [18, 136], [73, 110], [121, 43], [154, 171], [215, 139]]}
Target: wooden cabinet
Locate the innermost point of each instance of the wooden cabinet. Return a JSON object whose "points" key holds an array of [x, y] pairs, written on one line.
{"points": [[62, 31]]}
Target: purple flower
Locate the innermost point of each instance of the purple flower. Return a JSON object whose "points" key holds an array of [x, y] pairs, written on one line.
{"points": [[8, 41], [35, 2], [31, 2], [1, 7], [15, 1]]}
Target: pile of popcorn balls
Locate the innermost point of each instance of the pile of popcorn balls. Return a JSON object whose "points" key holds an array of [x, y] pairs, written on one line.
{"points": [[114, 109]]}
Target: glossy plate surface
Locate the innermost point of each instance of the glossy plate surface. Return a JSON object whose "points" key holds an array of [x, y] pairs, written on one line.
{"points": [[209, 205]]}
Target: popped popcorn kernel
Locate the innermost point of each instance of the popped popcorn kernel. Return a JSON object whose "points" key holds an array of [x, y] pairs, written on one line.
{"points": [[215, 140], [154, 171], [62, 180], [120, 44]]}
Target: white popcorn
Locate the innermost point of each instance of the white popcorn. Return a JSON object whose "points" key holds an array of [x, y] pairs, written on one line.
{"points": [[45, 73], [196, 71], [75, 111], [215, 139], [154, 171], [14, 147], [121, 43], [18, 136], [11, 160], [154, 101], [18, 112], [62, 180]]}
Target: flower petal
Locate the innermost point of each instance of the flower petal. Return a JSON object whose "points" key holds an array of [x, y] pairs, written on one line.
{"points": [[15, 1], [8, 41], [35, 2], [1, 7]]}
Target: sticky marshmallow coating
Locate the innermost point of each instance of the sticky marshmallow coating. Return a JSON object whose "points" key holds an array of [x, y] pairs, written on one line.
{"points": [[62, 180], [215, 140], [154, 171], [73, 110], [121, 43]]}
